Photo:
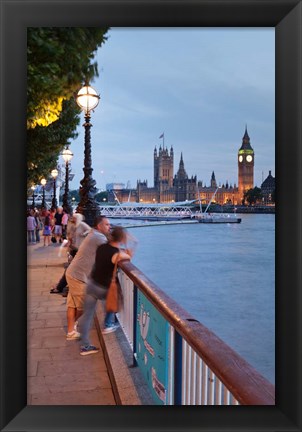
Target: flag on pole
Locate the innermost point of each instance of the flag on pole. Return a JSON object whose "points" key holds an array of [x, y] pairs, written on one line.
{"points": [[162, 135]]}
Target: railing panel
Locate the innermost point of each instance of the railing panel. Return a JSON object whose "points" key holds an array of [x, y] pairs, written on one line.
{"points": [[170, 400], [193, 379], [211, 388], [125, 316], [198, 381], [226, 397], [205, 371], [218, 392], [209, 367]]}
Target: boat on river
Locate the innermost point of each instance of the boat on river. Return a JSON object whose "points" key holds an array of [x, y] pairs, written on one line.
{"points": [[215, 218]]}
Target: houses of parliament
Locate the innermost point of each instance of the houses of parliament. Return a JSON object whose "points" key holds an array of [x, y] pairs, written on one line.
{"points": [[169, 188]]}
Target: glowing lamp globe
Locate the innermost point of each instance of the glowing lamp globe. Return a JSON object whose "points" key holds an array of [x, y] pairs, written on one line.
{"points": [[67, 155], [54, 173], [87, 99]]}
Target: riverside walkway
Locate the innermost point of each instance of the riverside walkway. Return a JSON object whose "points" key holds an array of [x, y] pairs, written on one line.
{"points": [[57, 374], [211, 373]]}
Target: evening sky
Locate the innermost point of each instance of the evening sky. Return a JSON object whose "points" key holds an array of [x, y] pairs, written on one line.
{"points": [[201, 87]]}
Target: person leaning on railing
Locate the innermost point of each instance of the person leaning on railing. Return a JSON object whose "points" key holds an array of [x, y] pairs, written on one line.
{"points": [[107, 255], [79, 270]]}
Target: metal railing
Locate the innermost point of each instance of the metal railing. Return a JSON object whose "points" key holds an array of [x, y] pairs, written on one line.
{"points": [[150, 211], [183, 362]]}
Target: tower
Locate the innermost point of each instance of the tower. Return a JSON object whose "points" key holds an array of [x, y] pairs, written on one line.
{"points": [[184, 187], [181, 173], [213, 181], [245, 165], [163, 167], [180, 181]]}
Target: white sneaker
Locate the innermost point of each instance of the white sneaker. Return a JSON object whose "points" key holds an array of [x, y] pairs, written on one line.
{"points": [[73, 335], [110, 329]]}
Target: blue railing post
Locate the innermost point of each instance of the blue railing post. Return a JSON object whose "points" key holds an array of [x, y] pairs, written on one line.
{"points": [[134, 323], [177, 368]]}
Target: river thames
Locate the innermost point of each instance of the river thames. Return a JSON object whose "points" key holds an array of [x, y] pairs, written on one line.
{"points": [[222, 274]]}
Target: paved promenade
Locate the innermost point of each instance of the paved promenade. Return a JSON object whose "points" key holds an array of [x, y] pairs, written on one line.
{"points": [[57, 374]]}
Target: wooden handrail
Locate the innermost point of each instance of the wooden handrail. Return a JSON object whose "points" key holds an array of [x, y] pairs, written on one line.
{"points": [[246, 384]]}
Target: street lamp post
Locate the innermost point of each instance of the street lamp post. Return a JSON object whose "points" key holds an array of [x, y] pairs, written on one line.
{"points": [[67, 156], [87, 99], [43, 183], [54, 173], [33, 189]]}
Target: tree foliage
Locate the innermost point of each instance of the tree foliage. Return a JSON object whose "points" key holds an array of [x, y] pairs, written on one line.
{"points": [[45, 143], [75, 194], [101, 197], [59, 61], [252, 196]]}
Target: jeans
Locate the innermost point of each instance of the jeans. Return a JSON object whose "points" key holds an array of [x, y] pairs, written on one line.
{"points": [[31, 236], [109, 319], [37, 235], [94, 293]]}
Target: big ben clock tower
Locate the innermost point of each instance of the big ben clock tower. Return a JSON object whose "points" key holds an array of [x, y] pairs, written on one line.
{"points": [[246, 159]]}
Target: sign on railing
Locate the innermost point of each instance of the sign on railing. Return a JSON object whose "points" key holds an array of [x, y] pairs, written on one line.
{"points": [[152, 348]]}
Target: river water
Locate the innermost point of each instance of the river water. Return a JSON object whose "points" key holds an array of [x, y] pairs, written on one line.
{"points": [[222, 274]]}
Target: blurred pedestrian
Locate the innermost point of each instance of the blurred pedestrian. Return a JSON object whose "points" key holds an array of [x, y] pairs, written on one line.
{"points": [[76, 232], [52, 213], [39, 226], [64, 224], [107, 255], [78, 271]]}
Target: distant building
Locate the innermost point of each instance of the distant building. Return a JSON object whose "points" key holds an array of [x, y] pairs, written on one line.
{"points": [[246, 161], [226, 194], [180, 187], [167, 186], [268, 189]]}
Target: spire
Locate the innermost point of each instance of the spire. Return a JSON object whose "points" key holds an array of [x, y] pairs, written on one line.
{"points": [[246, 145], [213, 181], [181, 173], [246, 135]]}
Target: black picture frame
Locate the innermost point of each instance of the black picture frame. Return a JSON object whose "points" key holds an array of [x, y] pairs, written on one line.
{"points": [[286, 17]]}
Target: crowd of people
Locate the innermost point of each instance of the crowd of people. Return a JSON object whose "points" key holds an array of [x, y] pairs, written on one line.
{"points": [[51, 224], [93, 254]]}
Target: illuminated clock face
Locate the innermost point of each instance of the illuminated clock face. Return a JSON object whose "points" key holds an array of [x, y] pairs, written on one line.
{"points": [[249, 158], [240, 158]]}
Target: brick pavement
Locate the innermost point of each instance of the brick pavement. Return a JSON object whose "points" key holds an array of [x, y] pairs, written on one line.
{"points": [[57, 374]]}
